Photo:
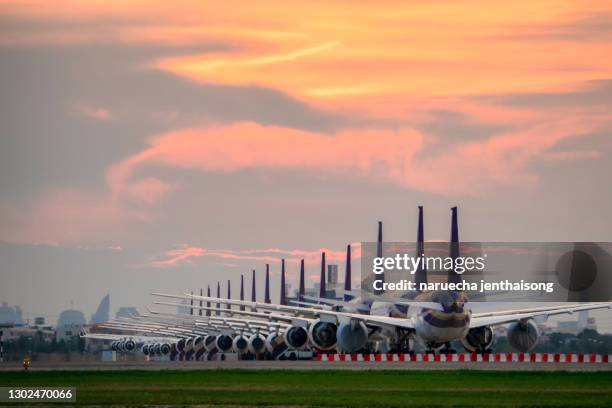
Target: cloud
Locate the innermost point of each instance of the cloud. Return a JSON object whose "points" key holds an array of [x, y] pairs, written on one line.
{"points": [[584, 95], [66, 217], [187, 254], [380, 156], [92, 112], [583, 28]]}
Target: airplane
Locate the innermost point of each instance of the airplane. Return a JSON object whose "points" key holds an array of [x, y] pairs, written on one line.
{"points": [[436, 327], [190, 336], [434, 318]]}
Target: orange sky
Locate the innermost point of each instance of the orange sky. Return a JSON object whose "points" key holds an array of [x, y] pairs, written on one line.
{"points": [[395, 64], [173, 143], [379, 58]]}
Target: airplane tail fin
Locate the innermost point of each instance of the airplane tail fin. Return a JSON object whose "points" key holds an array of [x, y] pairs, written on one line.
{"points": [[322, 288], [267, 288], [347, 274], [302, 290], [283, 294], [420, 276], [454, 246], [379, 254]]}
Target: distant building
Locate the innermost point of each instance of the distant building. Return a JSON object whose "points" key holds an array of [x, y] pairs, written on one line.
{"points": [[102, 314], [577, 326], [330, 293], [10, 315], [570, 327], [70, 323], [184, 309], [71, 317], [66, 331], [126, 311], [591, 324], [14, 333], [332, 275]]}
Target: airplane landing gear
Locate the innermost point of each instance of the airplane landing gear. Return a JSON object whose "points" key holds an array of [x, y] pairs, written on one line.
{"points": [[431, 347], [447, 349]]}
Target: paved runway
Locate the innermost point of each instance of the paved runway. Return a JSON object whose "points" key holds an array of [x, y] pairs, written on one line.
{"points": [[304, 365]]}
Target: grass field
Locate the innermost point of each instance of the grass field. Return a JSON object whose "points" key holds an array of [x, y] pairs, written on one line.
{"points": [[328, 388]]}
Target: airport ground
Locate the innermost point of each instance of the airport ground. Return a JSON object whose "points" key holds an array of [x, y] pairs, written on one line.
{"points": [[307, 385], [297, 365]]}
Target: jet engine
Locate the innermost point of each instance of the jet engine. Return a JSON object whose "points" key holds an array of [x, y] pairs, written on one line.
{"points": [[129, 345], [240, 344], [180, 345], [145, 349], [296, 337], [224, 343], [210, 342], [523, 335], [114, 345], [156, 349], [257, 344], [274, 342], [164, 349], [322, 335], [198, 343], [478, 340], [189, 344], [152, 350], [352, 336]]}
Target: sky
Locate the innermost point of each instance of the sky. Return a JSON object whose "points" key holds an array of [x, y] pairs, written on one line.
{"points": [[150, 145]]}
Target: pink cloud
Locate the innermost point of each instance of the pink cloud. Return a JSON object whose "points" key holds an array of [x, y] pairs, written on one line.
{"points": [[186, 254], [68, 216], [65, 217], [93, 112], [365, 154], [148, 190], [376, 155]]}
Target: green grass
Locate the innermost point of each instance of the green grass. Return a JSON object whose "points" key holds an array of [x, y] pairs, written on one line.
{"points": [[328, 388]]}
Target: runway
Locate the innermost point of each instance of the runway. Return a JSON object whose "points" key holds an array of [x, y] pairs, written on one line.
{"points": [[303, 365]]}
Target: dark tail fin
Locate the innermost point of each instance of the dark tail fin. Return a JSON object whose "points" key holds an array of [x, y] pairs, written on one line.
{"points": [[420, 276], [322, 288], [208, 303], [253, 294], [267, 289], [347, 274], [302, 291], [283, 295], [454, 245], [191, 303], [379, 254], [241, 290], [229, 293]]}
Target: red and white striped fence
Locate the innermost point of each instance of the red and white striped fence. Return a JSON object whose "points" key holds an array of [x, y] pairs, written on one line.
{"points": [[484, 358]]}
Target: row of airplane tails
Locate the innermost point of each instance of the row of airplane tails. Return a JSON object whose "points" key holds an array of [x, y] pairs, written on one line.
{"points": [[356, 322]]}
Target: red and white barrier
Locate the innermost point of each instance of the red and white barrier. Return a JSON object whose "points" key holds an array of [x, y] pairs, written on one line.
{"points": [[479, 358]]}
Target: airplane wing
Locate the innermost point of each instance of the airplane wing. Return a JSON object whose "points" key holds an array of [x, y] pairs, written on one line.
{"points": [[364, 308], [138, 338], [282, 311], [508, 316], [233, 323], [312, 304], [334, 302]]}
